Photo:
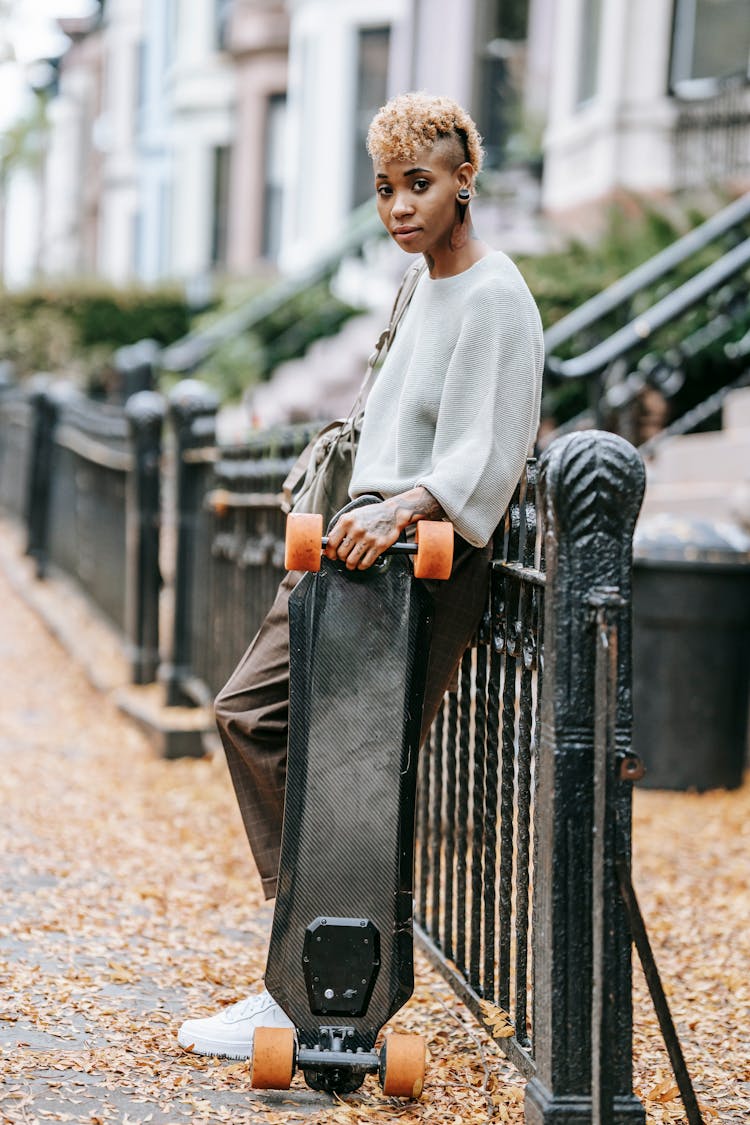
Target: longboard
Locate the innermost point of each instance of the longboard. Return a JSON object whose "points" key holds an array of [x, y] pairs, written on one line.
{"points": [[341, 955]]}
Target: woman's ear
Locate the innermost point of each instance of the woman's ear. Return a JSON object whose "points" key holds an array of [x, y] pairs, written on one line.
{"points": [[465, 176]]}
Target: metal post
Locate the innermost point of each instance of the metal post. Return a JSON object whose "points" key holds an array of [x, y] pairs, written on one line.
{"points": [[135, 365], [44, 412], [192, 409], [145, 413], [8, 380], [592, 485]]}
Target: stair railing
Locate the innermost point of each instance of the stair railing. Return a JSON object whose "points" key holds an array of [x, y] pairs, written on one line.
{"points": [[727, 221], [185, 355], [616, 368]]}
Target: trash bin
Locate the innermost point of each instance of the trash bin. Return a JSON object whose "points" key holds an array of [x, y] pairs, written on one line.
{"points": [[691, 652]]}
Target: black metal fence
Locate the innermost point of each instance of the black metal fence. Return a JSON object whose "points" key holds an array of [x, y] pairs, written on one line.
{"points": [[230, 541], [510, 893], [524, 800], [84, 478], [16, 428], [513, 883], [86, 530], [475, 809]]}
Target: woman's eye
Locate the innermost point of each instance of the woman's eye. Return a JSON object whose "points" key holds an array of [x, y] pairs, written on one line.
{"points": [[384, 189], [421, 185]]}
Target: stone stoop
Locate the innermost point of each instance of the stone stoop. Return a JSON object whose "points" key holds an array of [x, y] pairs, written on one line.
{"points": [[705, 475], [322, 384]]}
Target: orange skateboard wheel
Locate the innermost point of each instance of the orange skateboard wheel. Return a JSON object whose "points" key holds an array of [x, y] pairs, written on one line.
{"points": [[272, 1064], [304, 541], [434, 558], [402, 1075]]}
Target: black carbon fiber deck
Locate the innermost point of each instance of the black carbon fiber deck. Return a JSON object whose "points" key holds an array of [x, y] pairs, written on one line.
{"points": [[358, 660]]}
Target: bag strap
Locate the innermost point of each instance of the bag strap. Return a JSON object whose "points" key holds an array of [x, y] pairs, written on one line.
{"points": [[405, 292], [404, 295]]}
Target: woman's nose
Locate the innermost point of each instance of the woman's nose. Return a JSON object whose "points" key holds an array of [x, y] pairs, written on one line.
{"points": [[402, 205]]}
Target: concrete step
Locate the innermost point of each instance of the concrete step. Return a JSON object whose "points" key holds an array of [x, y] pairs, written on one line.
{"points": [[720, 456], [736, 412], [708, 499], [323, 383]]}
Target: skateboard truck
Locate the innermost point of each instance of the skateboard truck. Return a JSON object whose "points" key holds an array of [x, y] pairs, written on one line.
{"points": [[334, 1064]]}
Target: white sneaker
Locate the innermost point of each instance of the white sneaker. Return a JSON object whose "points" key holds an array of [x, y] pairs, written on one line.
{"points": [[229, 1034]]}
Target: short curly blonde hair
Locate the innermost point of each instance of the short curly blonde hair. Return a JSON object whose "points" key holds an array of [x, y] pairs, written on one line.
{"points": [[410, 122]]}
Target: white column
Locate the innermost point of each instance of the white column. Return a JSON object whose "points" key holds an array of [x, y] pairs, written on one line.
{"points": [[20, 241], [320, 136], [123, 35], [190, 251], [444, 54], [621, 138], [646, 149], [62, 232]]}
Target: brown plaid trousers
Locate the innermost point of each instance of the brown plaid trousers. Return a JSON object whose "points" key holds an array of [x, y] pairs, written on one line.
{"points": [[252, 711]]}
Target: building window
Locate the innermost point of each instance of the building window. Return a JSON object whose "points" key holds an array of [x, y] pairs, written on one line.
{"points": [[710, 39], [502, 30], [372, 90], [222, 156], [588, 59], [222, 12], [273, 164]]}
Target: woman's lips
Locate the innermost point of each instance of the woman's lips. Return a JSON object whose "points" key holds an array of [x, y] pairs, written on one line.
{"points": [[403, 234]]}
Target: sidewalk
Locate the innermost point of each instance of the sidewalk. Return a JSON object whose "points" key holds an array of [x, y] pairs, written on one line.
{"points": [[128, 900]]}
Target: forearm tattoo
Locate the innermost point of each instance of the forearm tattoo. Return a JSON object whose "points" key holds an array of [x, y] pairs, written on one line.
{"points": [[416, 504]]}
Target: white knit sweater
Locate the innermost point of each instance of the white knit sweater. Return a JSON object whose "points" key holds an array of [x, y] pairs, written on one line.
{"points": [[455, 405]]}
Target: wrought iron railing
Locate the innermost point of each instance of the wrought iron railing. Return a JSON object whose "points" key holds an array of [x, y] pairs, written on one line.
{"points": [[230, 541], [85, 480], [523, 898], [16, 432], [87, 506], [505, 904], [475, 811], [510, 890], [679, 324], [186, 355], [712, 136]]}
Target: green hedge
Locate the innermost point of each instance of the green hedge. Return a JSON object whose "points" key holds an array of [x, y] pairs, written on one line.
{"points": [[74, 329]]}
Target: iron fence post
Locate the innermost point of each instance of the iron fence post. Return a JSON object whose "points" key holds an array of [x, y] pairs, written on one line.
{"points": [[135, 365], [192, 410], [145, 412], [44, 413], [7, 376], [591, 485]]}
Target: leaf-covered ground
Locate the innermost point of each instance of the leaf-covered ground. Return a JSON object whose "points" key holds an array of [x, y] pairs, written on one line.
{"points": [[129, 900]]}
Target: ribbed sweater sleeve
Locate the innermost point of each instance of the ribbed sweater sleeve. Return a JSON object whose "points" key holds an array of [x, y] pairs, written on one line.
{"points": [[456, 404]]}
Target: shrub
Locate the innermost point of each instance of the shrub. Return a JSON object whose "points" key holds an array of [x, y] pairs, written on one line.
{"points": [[73, 329]]}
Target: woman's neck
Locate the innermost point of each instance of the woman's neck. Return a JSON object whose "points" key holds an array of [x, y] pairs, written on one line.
{"points": [[462, 251]]}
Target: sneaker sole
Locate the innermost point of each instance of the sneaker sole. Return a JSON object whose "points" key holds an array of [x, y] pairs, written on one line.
{"points": [[196, 1045]]}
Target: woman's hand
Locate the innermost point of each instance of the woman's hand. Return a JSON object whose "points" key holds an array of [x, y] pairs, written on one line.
{"points": [[361, 536]]}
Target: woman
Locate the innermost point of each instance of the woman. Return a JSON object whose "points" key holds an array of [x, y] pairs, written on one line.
{"points": [[446, 431]]}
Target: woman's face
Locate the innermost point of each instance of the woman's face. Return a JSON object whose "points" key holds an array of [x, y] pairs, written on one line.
{"points": [[417, 198]]}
